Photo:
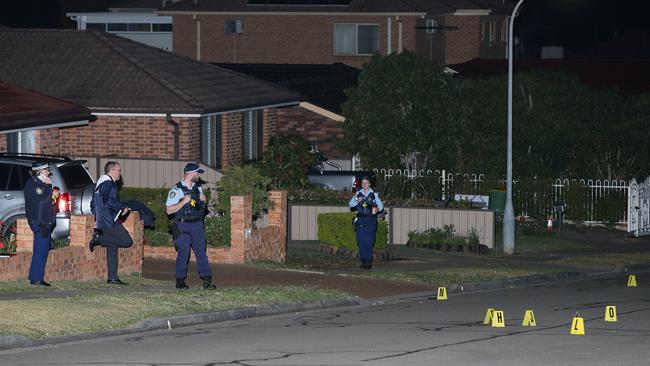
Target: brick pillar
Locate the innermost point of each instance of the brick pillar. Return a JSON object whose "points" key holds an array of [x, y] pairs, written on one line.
{"points": [[81, 230], [135, 226], [278, 217], [241, 226], [24, 237]]}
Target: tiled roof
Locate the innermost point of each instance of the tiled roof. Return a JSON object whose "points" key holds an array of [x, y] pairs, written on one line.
{"points": [[628, 76], [321, 85], [356, 6], [24, 109], [107, 73]]}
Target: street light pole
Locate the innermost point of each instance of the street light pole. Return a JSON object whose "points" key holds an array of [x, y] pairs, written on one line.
{"points": [[509, 212]]}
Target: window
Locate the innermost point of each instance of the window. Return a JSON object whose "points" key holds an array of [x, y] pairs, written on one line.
{"points": [[19, 174], [139, 27], [356, 39], [493, 32], [483, 30], [98, 26], [5, 171], [75, 176], [117, 27], [161, 27], [21, 142], [432, 26], [233, 26], [211, 141], [504, 31], [253, 129]]}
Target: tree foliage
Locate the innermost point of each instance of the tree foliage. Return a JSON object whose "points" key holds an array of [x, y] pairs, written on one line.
{"points": [[405, 107], [286, 160]]}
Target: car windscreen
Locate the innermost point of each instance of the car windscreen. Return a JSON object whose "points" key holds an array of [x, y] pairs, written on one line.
{"points": [[75, 176]]}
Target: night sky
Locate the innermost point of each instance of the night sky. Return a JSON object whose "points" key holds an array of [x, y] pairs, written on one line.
{"points": [[578, 25]]}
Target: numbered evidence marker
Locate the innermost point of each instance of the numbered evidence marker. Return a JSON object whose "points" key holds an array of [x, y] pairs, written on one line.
{"points": [[631, 281], [610, 313], [498, 319], [529, 319], [488, 316], [578, 325], [442, 293]]}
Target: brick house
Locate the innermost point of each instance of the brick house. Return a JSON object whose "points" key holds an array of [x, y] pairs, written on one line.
{"points": [[317, 119], [148, 103], [331, 31]]}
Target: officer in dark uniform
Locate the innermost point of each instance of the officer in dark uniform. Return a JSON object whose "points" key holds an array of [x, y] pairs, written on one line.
{"points": [[187, 204], [108, 211], [368, 204], [39, 207]]}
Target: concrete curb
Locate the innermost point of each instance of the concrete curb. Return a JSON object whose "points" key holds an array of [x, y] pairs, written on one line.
{"points": [[11, 342]]}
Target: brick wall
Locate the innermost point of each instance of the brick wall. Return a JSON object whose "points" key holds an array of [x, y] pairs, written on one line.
{"points": [[280, 38], [314, 128], [232, 139], [246, 244], [462, 43], [75, 262], [270, 124], [131, 137]]}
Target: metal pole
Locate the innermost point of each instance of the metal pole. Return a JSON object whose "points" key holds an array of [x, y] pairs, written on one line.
{"points": [[509, 212]]}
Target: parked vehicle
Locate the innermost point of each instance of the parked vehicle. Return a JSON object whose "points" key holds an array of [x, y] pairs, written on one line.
{"points": [[339, 179], [71, 176]]}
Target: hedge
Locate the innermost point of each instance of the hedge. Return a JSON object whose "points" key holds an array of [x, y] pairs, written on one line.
{"points": [[335, 229]]}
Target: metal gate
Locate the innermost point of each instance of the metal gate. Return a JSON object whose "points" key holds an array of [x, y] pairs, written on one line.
{"points": [[638, 208]]}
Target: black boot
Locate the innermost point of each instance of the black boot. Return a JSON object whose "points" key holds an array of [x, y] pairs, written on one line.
{"points": [[208, 284], [94, 241], [181, 285]]}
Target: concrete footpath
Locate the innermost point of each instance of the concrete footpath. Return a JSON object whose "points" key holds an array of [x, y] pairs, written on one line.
{"points": [[362, 290]]}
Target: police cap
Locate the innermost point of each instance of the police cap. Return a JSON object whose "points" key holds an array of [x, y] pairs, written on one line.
{"points": [[193, 168], [40, 165]]}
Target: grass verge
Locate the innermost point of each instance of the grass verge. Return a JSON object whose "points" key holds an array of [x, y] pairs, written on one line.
{"points": [[605, 261], [529, 244], [445, 277], [134, 282], [47, 317]]}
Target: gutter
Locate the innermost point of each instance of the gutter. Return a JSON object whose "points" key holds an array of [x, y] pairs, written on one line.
{"points": [[177, 134]]}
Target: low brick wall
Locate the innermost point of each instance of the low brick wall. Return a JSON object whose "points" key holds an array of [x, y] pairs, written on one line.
{"points": [[268, 243], [75, 262]]}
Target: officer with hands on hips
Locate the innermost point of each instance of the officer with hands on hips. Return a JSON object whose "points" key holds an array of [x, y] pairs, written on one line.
{"points": [[368, 204], [41, 216], [187, 203]]}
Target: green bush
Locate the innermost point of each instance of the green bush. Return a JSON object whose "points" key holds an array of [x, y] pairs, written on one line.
{"points": [[445, 235], [244, 180], [335, 229], [286, 160]]}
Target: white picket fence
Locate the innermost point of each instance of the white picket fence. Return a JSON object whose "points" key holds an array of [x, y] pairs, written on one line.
{"points": [[597, 187]]}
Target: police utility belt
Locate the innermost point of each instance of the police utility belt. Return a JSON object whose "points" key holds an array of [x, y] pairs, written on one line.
{"points": [[189, 220]]}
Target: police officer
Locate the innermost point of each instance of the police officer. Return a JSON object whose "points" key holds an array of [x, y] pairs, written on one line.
{"points": [[368, 204], [187, 204], [108, 210], [39, 207]]}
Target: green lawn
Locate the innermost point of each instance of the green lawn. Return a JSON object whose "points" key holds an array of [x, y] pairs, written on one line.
{"points": [[605, 261], [445, 277], [134, 282], [529, 244], [47, 317]]}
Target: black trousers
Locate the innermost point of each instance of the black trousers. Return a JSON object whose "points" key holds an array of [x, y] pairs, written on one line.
{"points": [[114, 238]]}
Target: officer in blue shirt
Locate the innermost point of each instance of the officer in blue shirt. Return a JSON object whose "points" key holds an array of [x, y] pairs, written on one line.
{"points": [[39, 208], [368, 204], [187, 204]]}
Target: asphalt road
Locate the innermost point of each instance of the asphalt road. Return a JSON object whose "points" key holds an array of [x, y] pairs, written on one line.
{"points": [[421, 331]]}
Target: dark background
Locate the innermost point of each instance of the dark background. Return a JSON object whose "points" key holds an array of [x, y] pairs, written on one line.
{"points": [[589, 28]]}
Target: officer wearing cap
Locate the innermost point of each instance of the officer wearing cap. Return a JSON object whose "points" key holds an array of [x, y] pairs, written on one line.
{"points": [[186, 203], [367, 204], [39, 208]]}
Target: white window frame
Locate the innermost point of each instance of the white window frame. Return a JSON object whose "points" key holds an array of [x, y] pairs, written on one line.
{"points": [[356, 33], [432, 25]]}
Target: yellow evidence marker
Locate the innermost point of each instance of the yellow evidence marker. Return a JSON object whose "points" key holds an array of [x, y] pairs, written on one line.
{"points": [[578, 325], [529, 319], [442, 293], [631, 281], [610, 313], [498, 319], [488, 316]]}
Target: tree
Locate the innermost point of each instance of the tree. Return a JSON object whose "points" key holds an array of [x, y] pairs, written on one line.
{"points": [[396, 116]]}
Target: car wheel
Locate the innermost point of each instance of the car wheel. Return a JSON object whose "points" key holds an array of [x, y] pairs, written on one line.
{"points": [[9, 229]]}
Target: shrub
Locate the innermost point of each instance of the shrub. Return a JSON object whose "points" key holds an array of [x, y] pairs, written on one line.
{"points": [[286, 160], [336, 229], [445, 235], [243, 180]]}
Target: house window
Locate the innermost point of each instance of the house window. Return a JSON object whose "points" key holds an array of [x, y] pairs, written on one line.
{"points": [[98, 26], [504, 31], [253, 141], [483, 30], [21, 142], [432, 26], [356, 39], [139, 27], [211, 141], [162, 27], [233, 26], [493, 32], [117, 27]]}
